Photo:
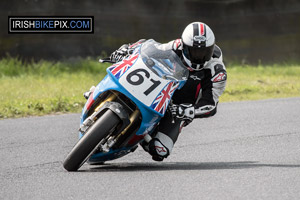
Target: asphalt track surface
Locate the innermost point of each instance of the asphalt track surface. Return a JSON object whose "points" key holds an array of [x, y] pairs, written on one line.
{"points": [[248, 150]]}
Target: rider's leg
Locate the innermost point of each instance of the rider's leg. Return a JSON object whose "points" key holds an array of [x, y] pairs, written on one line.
{"points": [[162, 144]]}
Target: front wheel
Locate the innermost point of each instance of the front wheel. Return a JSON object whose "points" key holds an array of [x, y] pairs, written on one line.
{"points": [[88, 143]]}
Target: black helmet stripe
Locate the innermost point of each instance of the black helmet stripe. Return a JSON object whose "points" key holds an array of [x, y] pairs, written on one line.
{"points": [[196, 33]]}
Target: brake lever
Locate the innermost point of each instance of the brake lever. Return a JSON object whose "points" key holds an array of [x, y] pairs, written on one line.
{"points": [[106, 60]]}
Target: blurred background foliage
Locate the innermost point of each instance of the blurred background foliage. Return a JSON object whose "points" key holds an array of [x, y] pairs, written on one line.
{"points": [[248, 31]]}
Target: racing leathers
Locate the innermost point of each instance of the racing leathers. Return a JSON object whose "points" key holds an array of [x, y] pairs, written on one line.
{"points": [[203, 87], [200, 95]]}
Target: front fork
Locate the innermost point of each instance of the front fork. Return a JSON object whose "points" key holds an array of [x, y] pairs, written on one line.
{"points": [[127, 117], [114, 138], [108, 103]]}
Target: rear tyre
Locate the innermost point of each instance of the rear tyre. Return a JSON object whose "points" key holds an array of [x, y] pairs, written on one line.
{"points": [[87, 144]]}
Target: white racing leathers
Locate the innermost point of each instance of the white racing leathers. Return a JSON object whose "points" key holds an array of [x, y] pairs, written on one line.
{"points": [[203, 87]]}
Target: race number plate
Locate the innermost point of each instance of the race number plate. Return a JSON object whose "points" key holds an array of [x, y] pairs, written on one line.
{"points": [[142, 83]]}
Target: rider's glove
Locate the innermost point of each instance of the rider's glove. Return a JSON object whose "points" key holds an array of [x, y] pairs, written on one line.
{"points": [[120, 53], [185, 112]]}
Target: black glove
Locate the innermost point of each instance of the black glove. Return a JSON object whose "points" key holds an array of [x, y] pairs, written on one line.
{"points": [[185, 112], [120, 53]]}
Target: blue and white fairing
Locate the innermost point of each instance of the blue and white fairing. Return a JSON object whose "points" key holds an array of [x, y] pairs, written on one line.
{"points": [[149, 77]]}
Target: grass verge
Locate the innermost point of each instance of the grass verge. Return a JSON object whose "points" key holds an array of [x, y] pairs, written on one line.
{"points": [[39, 88], [262, 82]]}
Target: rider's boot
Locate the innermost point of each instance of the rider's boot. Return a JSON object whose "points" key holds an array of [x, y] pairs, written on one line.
{"points": [[160, 147]]}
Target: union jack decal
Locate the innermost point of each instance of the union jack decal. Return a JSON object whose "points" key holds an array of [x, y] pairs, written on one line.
{"points": [[120, 68], [161, 102]]}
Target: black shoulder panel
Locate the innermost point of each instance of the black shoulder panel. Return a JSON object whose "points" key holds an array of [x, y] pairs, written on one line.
{"points": [[217, 52], [219, 68]]}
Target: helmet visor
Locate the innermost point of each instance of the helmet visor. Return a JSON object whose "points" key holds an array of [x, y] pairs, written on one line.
{"points": [[198, 55]]}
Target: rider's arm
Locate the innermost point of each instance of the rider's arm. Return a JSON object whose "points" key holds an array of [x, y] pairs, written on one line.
{"points": [[213, 85], [175, 45]]}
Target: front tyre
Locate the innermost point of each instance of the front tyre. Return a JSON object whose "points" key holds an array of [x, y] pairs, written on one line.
{"points": [[87, 144]]}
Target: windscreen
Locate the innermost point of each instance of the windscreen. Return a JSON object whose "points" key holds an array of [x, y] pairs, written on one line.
{"points": [[164, 63]]}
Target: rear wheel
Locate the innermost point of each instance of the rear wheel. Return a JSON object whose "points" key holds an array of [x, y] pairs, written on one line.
{"points": [[87, 144]]}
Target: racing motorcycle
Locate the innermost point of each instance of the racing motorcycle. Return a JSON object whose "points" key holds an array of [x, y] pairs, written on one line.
{"points": [[127, 105]]}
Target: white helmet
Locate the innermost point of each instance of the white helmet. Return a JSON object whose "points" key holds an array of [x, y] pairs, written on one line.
{"points": [[198, 44]]}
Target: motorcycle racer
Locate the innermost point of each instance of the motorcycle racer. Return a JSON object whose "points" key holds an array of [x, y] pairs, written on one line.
{"points": [[199, 97]]}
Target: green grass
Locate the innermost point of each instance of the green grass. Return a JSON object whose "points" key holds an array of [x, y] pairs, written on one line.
{"points": [[39, 88], [45, 87], [262, 82]]}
